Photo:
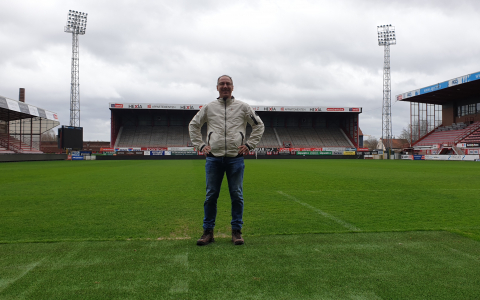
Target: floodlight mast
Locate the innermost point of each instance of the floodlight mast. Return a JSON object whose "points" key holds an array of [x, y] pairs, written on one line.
{"points": [[386, 37], [76, 25]]}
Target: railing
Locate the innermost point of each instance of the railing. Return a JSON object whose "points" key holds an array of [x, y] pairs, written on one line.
{"points": [[471, 130], [16, 145]]}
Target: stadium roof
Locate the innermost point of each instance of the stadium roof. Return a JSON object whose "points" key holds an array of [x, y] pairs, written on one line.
{"points": [[13, 110], [458, 88], [337, 109]]}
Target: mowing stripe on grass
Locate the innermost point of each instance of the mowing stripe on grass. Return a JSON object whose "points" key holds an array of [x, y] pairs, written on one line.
{"points": [[324, 214], [6, 283], [180, 284]]}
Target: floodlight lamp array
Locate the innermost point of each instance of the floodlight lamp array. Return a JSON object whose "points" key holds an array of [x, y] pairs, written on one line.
{"points": [[76, 22], [386, 35]]}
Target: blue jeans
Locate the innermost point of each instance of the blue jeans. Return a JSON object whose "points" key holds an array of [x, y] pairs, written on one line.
{"points": [[215, 169]]}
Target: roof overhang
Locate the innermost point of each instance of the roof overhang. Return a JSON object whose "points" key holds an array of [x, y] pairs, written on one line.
{"points": [[14, 112], [459, 88]]}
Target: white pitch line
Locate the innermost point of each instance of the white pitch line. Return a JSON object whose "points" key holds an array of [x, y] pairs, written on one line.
{"points": [[321, 212]]}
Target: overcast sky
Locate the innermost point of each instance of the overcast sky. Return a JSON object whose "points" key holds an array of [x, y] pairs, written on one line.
{"points": [[302, 53]]}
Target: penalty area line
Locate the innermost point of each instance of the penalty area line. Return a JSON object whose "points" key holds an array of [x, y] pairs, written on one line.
{"points": [[321, 212]]}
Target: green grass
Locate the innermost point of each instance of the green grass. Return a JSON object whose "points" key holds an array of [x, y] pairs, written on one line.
{"points": [[314, 229]]}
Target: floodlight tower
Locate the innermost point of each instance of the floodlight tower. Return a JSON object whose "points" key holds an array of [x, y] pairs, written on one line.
{"points": [[76, 24], [386, 37]]}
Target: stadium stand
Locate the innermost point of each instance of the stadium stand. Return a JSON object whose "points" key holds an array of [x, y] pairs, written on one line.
{"points": [[445, 116], [22, 125], [5, 151], [472, 134], [16, 145], [452, 134], [178, 136], [166, 125]]}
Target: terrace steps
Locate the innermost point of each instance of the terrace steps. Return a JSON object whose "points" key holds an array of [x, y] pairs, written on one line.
{"points": [[14, 145], [178, 136]]}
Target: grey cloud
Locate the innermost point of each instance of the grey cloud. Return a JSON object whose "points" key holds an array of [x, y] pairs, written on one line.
{"points": [[278, 52]]}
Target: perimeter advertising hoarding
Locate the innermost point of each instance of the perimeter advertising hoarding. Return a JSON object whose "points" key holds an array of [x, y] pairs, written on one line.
{"points": [[463, 157], [368, 153], [130, 153], [473, 151], [436, 157], [146, 149], [184, 153], [167, 152], [255, 108], [442, 157], [314, 153]]}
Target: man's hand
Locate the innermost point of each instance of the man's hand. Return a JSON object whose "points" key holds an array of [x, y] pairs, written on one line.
{"points": [[243, 150], [206, 150]]}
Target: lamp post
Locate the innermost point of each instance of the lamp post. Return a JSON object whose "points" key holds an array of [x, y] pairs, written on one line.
{"points": [[76, 25], [386, 37]]}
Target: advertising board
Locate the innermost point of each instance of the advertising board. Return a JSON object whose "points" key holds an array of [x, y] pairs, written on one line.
{"points": [[314, 153], [184, 152], [307, 109]]}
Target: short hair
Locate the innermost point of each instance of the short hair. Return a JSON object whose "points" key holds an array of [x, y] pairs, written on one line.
{"points": [[224, 76]]}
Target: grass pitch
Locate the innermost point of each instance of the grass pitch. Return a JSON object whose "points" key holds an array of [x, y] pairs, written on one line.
{"points": [[314, 229]]}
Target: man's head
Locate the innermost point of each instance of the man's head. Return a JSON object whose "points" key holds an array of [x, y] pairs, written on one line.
{"points": [[225, 86]]}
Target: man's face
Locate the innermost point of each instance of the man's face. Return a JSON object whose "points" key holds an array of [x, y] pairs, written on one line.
{"points": [[225, 87]]}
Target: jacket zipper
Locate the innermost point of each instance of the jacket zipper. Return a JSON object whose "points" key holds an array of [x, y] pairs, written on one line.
{"points": [[241, 133], [209, 135], [225, 127]]}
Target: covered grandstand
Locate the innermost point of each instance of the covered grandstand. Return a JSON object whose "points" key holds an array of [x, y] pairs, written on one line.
{"points": [[21, 126], [445, 117], [151, 126]]}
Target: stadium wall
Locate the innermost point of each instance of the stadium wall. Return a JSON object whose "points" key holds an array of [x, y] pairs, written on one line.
{"points": [[31, 157], [201, 157]]}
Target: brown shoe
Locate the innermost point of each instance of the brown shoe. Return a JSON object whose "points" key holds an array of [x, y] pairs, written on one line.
{"points": [[206, 238], [237, 237]]}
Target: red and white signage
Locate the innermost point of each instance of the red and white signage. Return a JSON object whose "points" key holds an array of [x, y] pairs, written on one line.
{"points": [[255, 108]]}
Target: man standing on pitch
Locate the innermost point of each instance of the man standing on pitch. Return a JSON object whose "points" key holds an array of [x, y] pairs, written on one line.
{"points": [[225, 146]]}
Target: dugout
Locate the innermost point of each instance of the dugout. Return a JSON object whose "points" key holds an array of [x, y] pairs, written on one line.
{"points": [[446, 116], [154, 125]]}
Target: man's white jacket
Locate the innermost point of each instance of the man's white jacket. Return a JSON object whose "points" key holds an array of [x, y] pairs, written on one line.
{"points": [[226, 127]]}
